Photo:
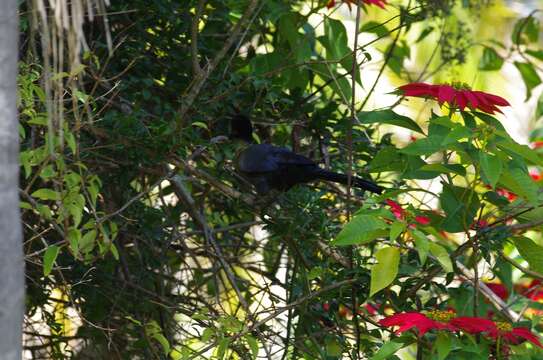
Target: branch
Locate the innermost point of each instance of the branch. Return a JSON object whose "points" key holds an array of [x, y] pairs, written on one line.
{"points": [[200, 78], [494, 299], [532, 273], [196, 69]]}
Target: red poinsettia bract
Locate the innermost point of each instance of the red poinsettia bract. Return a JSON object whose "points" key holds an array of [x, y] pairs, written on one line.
{"points": [[533, 291], [400, 213], [514, 335], [446, 320], [380, 3], [499, 289], [438, 320], [419, 321], [537, 144], [456, 96]]}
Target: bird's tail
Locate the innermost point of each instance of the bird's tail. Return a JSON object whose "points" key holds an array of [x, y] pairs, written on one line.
{"points": [[355, 181]]}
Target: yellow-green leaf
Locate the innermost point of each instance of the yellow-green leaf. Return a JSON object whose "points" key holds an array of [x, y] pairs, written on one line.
{"points": [[442, 256], [360, 230], [49, 258], [384, 272], [531, 252], [46, 194]]}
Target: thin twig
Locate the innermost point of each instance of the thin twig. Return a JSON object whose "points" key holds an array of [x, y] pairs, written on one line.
{"points": [[199, 80]]}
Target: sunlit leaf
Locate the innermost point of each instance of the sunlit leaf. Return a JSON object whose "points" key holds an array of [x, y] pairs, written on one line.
{"points": [[384, 272], [531, 252], [361, 229], [388, 117], [49, 258], [529, 75]]}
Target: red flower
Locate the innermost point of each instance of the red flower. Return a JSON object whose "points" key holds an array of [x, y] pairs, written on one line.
{"points": [[498, 289], [472, 325], [371, 309], [397, 210], [507, 194], [513, 335], [479, 224], [423, 220], [457, 95], [537, 144], [400, 213], [536, 176], [380, 3], [534, 290], [436, 320]]}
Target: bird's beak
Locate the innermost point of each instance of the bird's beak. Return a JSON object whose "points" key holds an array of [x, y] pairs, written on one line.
{"points": [[219, 139]]}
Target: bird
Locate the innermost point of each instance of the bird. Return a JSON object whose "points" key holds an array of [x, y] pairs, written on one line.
{"points": [[268, 167]]}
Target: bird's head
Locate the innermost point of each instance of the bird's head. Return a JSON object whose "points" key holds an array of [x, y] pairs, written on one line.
{"points": [[241, 128]]}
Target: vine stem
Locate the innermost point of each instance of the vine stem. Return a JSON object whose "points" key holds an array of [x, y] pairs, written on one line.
{"points": [[352, 120]]}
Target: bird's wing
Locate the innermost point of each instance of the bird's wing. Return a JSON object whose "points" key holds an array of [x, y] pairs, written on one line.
{"points": [[257, 159], [262, 158], [286, 156]]}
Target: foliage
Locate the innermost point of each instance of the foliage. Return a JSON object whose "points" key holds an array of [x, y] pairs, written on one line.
{"points": [[142, 242]]}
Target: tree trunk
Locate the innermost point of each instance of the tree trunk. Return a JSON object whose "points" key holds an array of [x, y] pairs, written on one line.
{"points": [[11, 253]]}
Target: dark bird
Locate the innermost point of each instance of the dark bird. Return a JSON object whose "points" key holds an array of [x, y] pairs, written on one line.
{"points": [[270, 167]]}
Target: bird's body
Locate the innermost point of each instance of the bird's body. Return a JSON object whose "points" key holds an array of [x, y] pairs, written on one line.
{"points": [[270, 167]]}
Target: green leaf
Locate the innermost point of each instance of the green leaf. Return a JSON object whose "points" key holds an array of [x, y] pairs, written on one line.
{"points": [[422, 244], [531, 252], [538, 54], [221, 349], [264, 63], [114, 251], [414, 170], [443, 345], [38, 120], [424, 146], [200, 124], [460, 205], [46, 194], [458, 132], [388, 117], [163, 342], [74, 238], [86, 244], [539, 108], [524, 151], [444, 169], [529, 75], [360, 230], [490, 60], [400, 52], [388, 159], [491, 166], [49, 258], [81, 96], [424, 33], [315, 273], [389, 349], [70, 140], [520, 182], [375, 28], [442, 256], [396, 229], [339, 84], [335, 41], [384, 272], [333, 347], [253, 345], [526, 30]]}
